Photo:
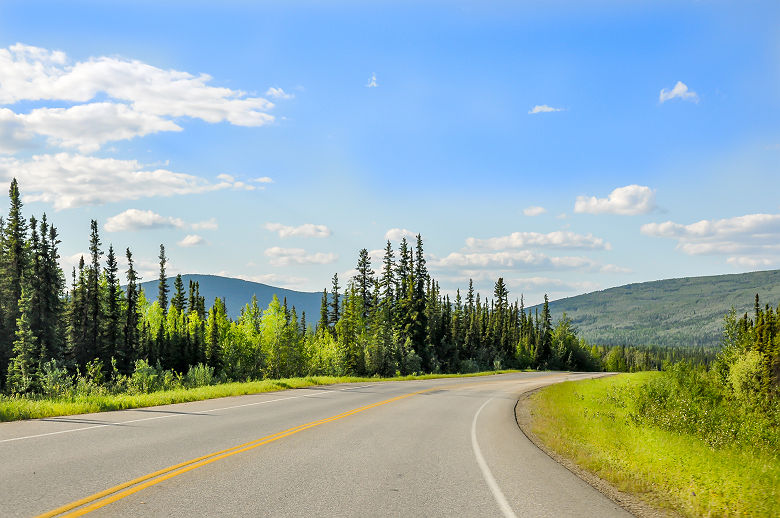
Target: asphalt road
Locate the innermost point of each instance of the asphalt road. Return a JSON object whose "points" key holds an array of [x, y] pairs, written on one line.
{"points": [[447, 447]]}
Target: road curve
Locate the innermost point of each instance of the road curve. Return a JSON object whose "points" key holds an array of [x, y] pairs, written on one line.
{"points": [[447, 447]]}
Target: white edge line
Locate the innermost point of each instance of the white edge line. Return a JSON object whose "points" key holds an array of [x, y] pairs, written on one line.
{"points": [[506, 509], [143, 419]]}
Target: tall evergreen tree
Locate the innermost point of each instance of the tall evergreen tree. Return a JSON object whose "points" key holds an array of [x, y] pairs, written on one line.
{"points": [[112, 329], [94, 323], [162, 288], [322, 325], [14, 264], [179, 300], [335, 308], [365, 280], [131, 348], [24, 370]]}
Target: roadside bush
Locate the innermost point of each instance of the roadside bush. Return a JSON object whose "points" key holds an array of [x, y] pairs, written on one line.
{"points": [[55, 380], [468, 366], [744, 378], [199, 375]]}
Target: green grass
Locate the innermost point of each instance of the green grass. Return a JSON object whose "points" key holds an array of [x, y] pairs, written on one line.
{"points": [[18, 408], [587, 422]]}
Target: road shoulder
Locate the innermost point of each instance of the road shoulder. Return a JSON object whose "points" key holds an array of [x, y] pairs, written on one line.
{"points": [[625, 500]]}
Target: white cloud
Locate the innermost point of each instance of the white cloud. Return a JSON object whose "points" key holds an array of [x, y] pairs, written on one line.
{"points": [[287, 256], [192, 240], [534, 211], [68, 181], [543, 108], [680, 91], [263, 179], [226, 177], [88, 126], [134, 219], [531, 283], [14, 136], [748, 234], [396, 234], [510, 260], [752, 262], [557, 239], [611, 268], [278, 93], [31, 74], [629, 200], [115, 99], [210, 224], [305, 230], [372, 82]]}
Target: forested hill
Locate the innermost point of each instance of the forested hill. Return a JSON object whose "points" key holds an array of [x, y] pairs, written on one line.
{"points": [[238, 293], [674, 312]]}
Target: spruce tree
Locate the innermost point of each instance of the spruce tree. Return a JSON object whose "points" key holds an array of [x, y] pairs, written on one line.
{"points": [[322, 325], [131, 348], [14, 264], [162, 288], [112, 329], [179, 301], [24, 369], [335, 314], [93, 345], [365, 280]]}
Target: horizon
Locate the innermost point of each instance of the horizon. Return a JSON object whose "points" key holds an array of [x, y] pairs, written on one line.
{"points": [[566, 147]]}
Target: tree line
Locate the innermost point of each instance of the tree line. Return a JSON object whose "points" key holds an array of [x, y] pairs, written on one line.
{"points": [[394, 321]]}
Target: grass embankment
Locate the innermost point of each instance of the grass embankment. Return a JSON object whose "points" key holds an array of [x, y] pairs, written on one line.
{"points": [[590, 422], [18, 408]]}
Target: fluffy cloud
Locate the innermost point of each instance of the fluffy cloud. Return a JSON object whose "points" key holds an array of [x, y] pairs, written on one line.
{"points": [[543, 108], [210, 224], [192, 240], [680, 91], [534, 211], [510, 260], [88, 126], [531, 283], [287, 256], [305, 230], [557, 239], [752, 262], [31, 74], [140, 99], [263, 179], [68, 180], [748, 234], [278, 93], [396, 234], [629, 200], [134, 219]]}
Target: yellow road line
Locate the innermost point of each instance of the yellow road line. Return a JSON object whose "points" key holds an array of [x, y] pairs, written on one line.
{"points": [[108, 496], [115, 493]]}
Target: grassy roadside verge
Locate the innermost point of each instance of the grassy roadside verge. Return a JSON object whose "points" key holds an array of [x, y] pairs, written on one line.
{"points": [[587, 422], [18, 408]]}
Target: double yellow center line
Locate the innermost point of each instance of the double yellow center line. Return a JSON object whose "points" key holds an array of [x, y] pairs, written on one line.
{"points": [[103, 498]]}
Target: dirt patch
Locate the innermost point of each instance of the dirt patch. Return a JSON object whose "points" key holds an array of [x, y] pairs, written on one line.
{"points": [[627, 501]]}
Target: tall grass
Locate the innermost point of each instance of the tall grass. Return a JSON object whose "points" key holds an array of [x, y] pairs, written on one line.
{"points": [[678, 448], [101, 398]]}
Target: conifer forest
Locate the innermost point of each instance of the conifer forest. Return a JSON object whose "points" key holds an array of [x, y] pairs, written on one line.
{"points": [[389, 319]]}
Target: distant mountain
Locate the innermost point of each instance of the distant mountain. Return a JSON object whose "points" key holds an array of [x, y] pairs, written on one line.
{"points": [[673, 312], [238, 293]]}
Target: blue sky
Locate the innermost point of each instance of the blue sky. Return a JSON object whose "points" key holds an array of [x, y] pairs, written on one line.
{"points": [[647, 131]]}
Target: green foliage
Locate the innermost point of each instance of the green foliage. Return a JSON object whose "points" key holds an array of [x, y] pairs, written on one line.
{"points": [[596, 424]]}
